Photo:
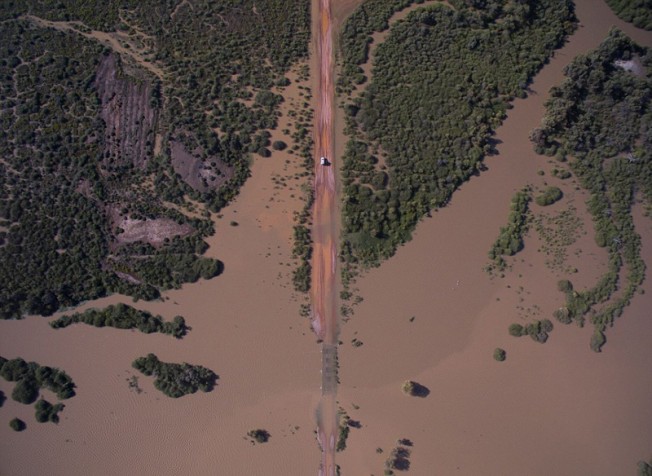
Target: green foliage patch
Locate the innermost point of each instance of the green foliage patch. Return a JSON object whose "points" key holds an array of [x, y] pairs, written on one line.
{"points": [[600, 119], [510, 239], [638, 12], [549, 196], [176, 380], [122, 316], [441, 83]]}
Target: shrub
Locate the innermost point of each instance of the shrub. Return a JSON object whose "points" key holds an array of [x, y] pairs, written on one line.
{"points": [[259, 435], [565, 286], [17, 424], [25, 391], [516, 330], [415, 389], [45, 411], [549, 196], [563, 315], [598, 339], [279, 145], [538, 330], [499, 354], [644, 468]]}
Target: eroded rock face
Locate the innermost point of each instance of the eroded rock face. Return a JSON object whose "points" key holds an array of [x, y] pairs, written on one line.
{"points": [[128, 114]]}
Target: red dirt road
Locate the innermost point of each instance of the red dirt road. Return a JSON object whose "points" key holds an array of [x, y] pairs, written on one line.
{"points": [[324, 229], [324, 235]]}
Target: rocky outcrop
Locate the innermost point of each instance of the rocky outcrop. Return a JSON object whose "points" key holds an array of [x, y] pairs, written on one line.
{"points": [[128, 113], [202, 174]]}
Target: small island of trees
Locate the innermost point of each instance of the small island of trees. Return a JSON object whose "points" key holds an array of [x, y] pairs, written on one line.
{"points": [[30, 377], [176, 380]]}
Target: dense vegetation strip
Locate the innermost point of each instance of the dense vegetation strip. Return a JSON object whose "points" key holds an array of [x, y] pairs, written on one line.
{"points": [[600, 120], [510, 238], [176, 380], [638, 12], [441, 83], [122, 316], [99, 155]]}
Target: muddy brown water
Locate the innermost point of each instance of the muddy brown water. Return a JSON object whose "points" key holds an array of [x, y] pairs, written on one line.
{"points": [[548, 409]]}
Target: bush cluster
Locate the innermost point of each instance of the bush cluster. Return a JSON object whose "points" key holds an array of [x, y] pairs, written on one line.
{"points": [[122, 316], [30, 377], [537, 330], [176, 380], [510, 239], [600, 118]]}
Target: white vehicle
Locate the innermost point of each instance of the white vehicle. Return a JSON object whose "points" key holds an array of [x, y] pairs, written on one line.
{"points": [[324, 161]]}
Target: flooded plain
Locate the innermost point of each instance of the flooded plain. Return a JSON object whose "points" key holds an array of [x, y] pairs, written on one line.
{"points": [[432, 315], [557, 408]]}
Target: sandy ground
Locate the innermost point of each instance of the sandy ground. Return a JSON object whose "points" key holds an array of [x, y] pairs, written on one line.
{"points": [[548, 409], [245, 326]]}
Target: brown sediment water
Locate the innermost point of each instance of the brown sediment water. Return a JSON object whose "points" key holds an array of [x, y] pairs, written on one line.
{"points": [[324, 236], [245, 327], [557, 408]]}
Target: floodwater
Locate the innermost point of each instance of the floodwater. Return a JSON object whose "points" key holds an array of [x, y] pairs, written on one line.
{"points": [[245, 326], [556, 408]]}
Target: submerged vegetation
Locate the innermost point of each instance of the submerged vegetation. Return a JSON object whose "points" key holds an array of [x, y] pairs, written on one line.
{"points": [[122, 316], [441, 83], [259, 435], [111, 157], [176, 380], [600, 121]]}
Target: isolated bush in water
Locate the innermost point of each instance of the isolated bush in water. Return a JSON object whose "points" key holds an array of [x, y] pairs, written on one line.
{"points": [[415, 389]]}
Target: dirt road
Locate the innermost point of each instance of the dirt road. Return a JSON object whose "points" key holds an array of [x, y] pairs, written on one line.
{"points": [[324, 234]]}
